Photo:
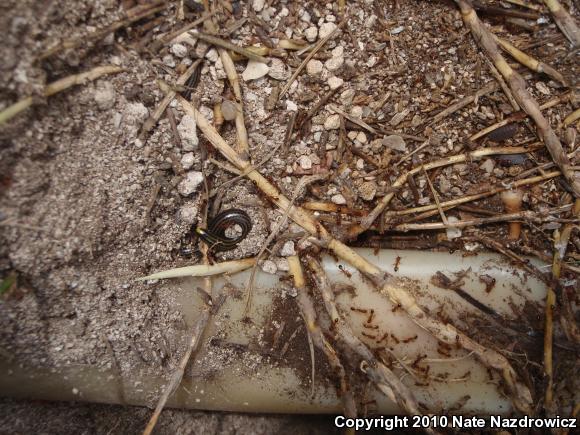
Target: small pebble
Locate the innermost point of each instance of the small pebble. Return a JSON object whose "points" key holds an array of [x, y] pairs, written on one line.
{"points": [[540, 86], [291, 106], [338, 199], [332, 122], [416, 121], [105, 96], [314, 67], [444, 184], [169, 61], [187, 129], [190, 184], [229, 110], [347, 96], [368, 190], [338, 51], [212, 55], [326, 29], [135, 113], [356, 111], [453, 233], [188, 213], [187, 160], [179, 50], [305, 162], [278, 70], [335, 82], [398, 118], [488, 166], [395, 142], [311, 34], [361, 137], [282, 264], [255, 70], [334, 63], [288, 249], [269, 266], [258, 5]]}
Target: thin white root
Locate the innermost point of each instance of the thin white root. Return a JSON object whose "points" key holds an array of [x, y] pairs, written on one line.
{"points": [[203, 269]]}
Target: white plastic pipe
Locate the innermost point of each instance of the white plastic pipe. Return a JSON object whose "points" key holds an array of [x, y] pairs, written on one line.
{"points": [[245, 382]]}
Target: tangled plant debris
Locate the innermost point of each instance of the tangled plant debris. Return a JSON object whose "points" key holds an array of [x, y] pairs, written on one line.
{"points": [[357, 121]]}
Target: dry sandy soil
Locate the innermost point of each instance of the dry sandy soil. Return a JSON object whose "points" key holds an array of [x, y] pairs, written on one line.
{"points": [[86, 206]]}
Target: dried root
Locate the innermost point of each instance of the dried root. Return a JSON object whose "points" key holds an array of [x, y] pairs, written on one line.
{"points": [[446, 333], [567, 320], [386, 381], [531, 63], [315, 50], [59, 86], [243, 146], [306, 305], [402, 179], [518, 87], [564, 21], [177, 376], [208, 296], [487, 89], [133, 15], [508, 217], [203, 269], [170, 95]]}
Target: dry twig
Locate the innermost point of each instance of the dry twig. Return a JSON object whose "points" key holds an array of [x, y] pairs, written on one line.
{"points": [[530, 62], [225, 45], [564, 21], [473, 197], [203, 269], [152, 120], [487, 89], [243, 146], [518, 87], [567, 319], [517, 117], [539, 217], [503, 85], [306, 305], [304, 181], [315, 50], [459, 158], [138, 14], [156, 45], [572, 117], [177, 375], [58, 86], [526, 4], [386, 381], [446, 333]]}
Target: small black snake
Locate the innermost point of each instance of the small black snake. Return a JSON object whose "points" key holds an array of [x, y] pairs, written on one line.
{"points": [[215, 234]]}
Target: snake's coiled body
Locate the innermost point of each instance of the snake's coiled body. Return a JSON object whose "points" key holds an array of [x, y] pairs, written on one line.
{"points": [[215, 233]]}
